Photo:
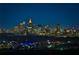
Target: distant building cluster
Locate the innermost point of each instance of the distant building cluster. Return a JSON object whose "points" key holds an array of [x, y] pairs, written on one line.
{"points": [[42, 30]]}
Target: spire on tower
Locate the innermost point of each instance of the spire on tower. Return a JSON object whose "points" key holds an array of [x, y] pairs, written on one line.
{"points": [[30, 21]]}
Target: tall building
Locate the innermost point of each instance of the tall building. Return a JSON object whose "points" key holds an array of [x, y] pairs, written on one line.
{"points": [[30, 26], [30, 23], [20, 28], [58, 30]]}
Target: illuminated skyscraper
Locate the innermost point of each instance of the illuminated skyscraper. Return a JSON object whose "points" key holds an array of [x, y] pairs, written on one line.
{"points": [[58, 30], [30, 26], [30, 23]]}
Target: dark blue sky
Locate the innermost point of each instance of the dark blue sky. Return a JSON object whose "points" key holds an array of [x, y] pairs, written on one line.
{"points": [[64, 14]]}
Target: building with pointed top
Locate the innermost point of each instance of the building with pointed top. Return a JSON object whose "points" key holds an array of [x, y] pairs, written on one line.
{"points": [[30, 26], [30, 23]]}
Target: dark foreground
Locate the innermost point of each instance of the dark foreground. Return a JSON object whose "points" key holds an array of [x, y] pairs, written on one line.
{"points": [[70, 45], [39, 52]]}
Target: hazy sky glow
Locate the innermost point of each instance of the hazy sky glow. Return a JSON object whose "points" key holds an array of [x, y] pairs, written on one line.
{"points": [[64, 14]]}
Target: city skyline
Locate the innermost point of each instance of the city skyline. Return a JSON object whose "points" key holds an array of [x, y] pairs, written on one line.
{"points": [[64, 14]]}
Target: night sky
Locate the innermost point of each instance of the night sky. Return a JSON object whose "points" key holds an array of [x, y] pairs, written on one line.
{"points": [[64, 14]]}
